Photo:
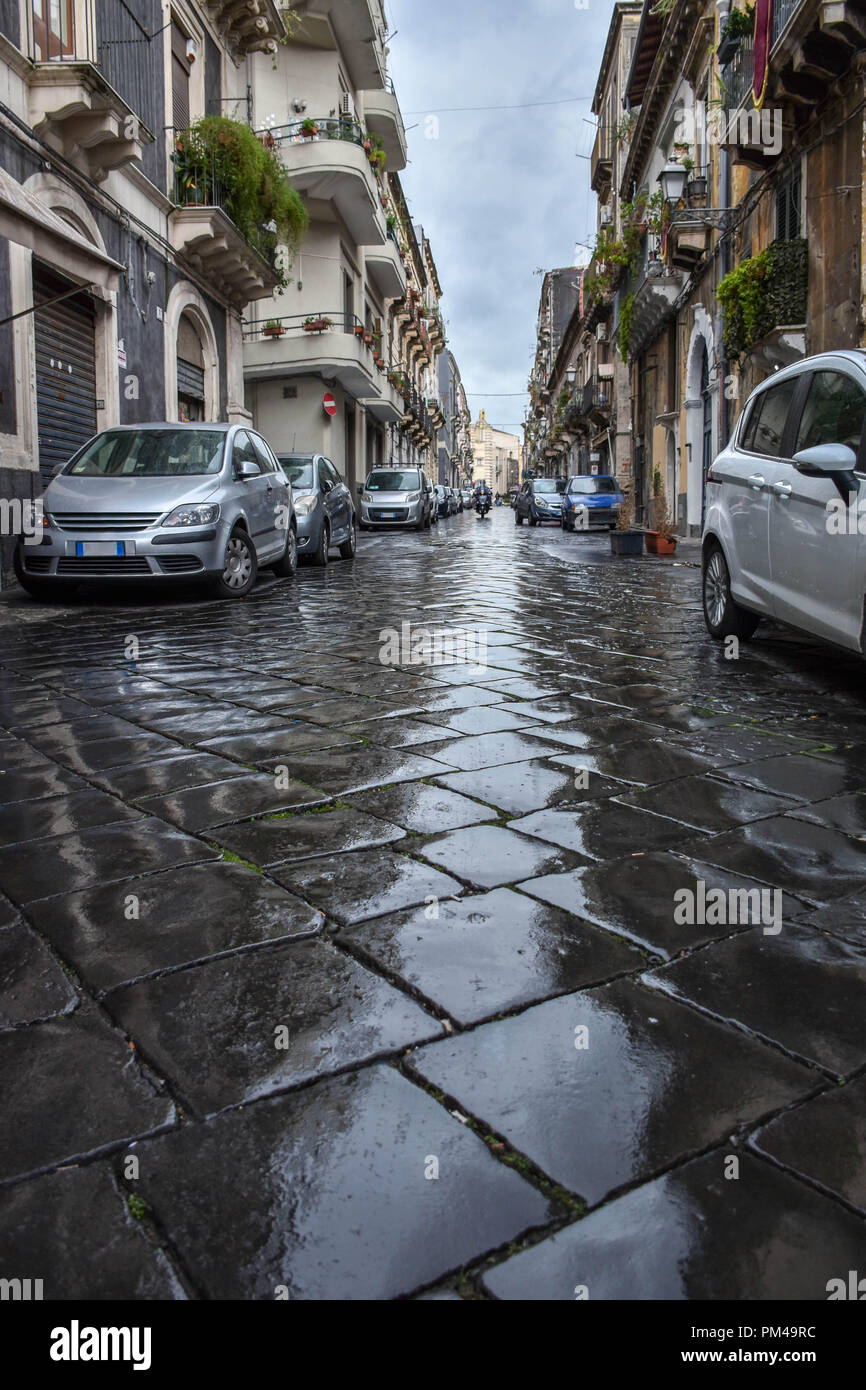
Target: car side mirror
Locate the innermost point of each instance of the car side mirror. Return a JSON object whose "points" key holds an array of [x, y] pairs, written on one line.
{"points": [[58, 468], [247, 470], [826, 458]]}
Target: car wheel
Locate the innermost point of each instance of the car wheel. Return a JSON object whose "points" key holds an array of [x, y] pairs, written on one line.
{"points": [[723, 616], [241, 567], [349, 547], [285, 568], [320, 555]]}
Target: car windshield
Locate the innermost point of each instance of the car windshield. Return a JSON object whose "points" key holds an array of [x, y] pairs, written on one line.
{"points": [[590, 487], [299, 471], [393, 482], [546, 485], [164, 453]]}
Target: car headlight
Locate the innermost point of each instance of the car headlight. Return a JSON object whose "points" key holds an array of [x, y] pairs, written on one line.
{"points": [[413, 497], [193, 514], [305, 505]]}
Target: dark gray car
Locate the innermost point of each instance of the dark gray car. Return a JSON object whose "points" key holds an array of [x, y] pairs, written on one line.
{"points": [[323, 507]]}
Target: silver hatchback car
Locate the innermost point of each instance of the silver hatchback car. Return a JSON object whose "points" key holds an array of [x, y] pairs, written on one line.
{"points": [[323, 506], [785, 530], [396, 495], [161, 503]]}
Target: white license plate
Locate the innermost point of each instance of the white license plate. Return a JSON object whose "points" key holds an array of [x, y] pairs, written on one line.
{"points": [[95, 549], [389, 516]]}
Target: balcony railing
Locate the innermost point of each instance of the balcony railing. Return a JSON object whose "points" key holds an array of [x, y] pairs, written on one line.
{"points": [[311, 129], [782, 12], [196, 185], [739, 75]]}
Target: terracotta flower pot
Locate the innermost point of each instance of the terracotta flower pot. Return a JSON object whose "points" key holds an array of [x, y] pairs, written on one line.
{"points": [[657, 544]]}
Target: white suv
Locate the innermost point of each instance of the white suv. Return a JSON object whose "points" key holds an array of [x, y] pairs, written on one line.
{"points": [[785, 530]]}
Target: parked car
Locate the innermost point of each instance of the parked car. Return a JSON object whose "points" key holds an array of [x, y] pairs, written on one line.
{"points": [[396, 496], [466, 494], [443, 503], [165, 502], [783, 536], [540, 499], [591, 503], [323, 506]]}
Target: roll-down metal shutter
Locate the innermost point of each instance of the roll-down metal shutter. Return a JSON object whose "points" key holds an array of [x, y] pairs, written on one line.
{"points": [[65, 371], [190, 380]]}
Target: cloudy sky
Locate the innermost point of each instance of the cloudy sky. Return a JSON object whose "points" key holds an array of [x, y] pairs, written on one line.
{"points": [[500, 193]]}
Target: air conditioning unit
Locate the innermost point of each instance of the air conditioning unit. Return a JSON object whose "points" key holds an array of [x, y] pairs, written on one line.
{"points": [[345, 104], [605, 216], [601, 333]]}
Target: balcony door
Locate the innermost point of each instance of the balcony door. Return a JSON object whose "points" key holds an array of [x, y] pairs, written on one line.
{"points": [[53, 29]]}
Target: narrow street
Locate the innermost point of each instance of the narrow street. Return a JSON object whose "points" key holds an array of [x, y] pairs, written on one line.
{"points": [[327, 978]]}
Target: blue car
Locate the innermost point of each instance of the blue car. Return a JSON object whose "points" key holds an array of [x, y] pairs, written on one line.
{"points": [[591, 504]]}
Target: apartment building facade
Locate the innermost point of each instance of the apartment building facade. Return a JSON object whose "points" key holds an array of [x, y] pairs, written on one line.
{"points": [[138, 283], [754, 260], [496, 455]]}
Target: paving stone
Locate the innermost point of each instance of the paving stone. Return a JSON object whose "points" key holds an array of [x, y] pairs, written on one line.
{"points": [[340, 773], [323, 1193], [221, 803], [332, 713], [8, 912], [30, 784], [799, 776], [516, 688], [73, 1231], [671, 1240], [707, 803], [213, 1029], [522, 787], [32, 985], [141, 780], [42, 868], [489, 750], [655, 1082], [117, 752], [802, 990], [395, 733], [73, 1087], [489, 856], [846, 813], [351, 888], [216, 721], [807, 859], [421, 808], [637, 898], [179, 918], [605, 830], [60, 815], [271, 749], [645, 764], [483, 720], [484, 955], [288, 839], [737, 744], [845, 918], [824, 1140]]}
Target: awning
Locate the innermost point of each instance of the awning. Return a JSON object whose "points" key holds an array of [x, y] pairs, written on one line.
{"points": [[29, 222]]}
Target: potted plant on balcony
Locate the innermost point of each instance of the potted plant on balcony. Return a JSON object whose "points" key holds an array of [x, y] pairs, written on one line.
{"points": [[697, 189], [661, 539], [626, 540], [368, 338], [309, 129], [273, 329], [317, 323], [739, 25], [359, 330]]}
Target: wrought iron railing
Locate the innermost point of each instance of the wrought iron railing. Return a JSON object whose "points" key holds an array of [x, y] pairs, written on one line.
{"points": [[739, 75], [313, 128], [783, 10], [196, 184]]}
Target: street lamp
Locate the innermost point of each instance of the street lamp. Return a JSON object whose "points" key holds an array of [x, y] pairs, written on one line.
{"points": [[673, 182]]}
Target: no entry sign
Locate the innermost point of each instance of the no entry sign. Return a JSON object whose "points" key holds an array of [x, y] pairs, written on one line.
{"points": [[330, 404]]}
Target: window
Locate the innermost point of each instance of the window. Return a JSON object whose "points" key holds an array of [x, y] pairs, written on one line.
{"points": [[181, 67], [53, 29], [788, 199], [766, 427], [834, 412], [264, 455], [331, 473], [243, 451]]}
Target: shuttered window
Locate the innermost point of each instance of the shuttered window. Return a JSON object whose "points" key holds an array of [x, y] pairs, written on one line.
{"points": [[180, 71]]}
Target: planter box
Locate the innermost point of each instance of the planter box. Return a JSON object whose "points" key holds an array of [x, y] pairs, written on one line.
{"points": [[273, 332], [726, 50], [317, 326], [626, 542], [657, 544]]}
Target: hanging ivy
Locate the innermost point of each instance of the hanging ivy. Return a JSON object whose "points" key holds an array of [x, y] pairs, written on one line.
{"points": [[764, 292]]}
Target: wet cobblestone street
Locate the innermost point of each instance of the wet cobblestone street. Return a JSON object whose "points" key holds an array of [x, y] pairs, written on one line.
{"points": [[324, 978]]}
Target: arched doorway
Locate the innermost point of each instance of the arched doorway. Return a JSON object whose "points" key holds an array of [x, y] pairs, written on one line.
{"points": [[190, 372], [191, 357]]}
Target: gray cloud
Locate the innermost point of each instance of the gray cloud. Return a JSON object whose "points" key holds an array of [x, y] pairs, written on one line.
{"points": [[500, 193]]}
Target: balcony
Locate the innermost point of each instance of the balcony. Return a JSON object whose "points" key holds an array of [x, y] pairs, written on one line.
{"points": [[384, 119], [601, 160], [654, 301], [385, 268], [326, 161], [389, 408], [597, 402], [74, 108], [203, 234], [357, 29], [780, 329], [328, 345], [255, 26]]}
